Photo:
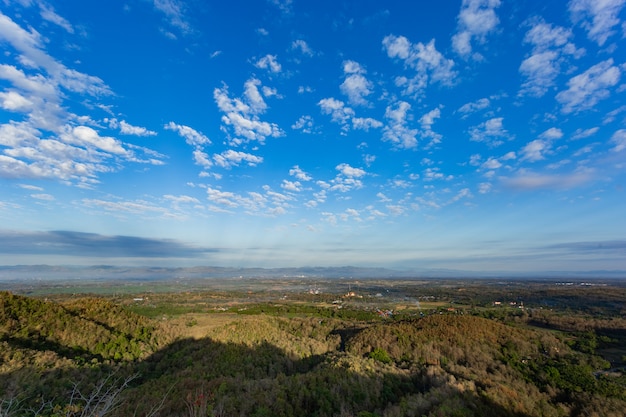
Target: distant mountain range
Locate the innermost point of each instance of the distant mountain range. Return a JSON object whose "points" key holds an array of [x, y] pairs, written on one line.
{"points": [[106, 272]]}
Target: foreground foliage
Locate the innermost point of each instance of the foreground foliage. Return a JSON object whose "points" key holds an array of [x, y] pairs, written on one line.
{"points": [[92, 357]]}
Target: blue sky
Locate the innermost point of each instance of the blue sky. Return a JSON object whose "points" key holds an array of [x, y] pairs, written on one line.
{"points": [[478, 135]]}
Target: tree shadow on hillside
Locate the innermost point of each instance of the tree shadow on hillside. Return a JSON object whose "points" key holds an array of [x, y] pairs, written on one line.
{"points": [[42, 345], [192, 376]]}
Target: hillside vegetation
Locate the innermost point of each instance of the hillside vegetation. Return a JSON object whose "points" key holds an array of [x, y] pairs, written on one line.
{"points": [[91, 357]]}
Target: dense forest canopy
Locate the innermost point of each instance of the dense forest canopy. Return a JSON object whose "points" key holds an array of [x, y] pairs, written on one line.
{"points": [[227, 353]]}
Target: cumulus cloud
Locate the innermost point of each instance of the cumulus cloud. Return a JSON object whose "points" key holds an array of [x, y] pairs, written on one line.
{"points": [[477, 18], [304, 124], [293, 186], [269, 63], [346, 116], [297, 172], [429, 64], [551, 49], [397, 130], [587, 89], [191, 136], [50, 141], [337, 110], [126, 128], [85, 136], [598, 18], [266, 203], [537, 149], [355, 85], [491, 132], [230, 158], [348, 178], [242, 115], [474, 106]]}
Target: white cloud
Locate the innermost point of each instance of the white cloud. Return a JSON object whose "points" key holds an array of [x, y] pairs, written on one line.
{"points": [[43, 197], [174, 11], [293, 186], [191, 136], [128, 129], [587, 89], [349, 171], [202, 159], [619, 139], [528, 180], [268, 62], [302, 46], [253, 96], [337, 110], [552, 133], [475, 106], [551, 47], [48, 13], [584, 133], [87, 137], [297, 172], [348, 178], [597, 17], [397, 132], [243, 116], [535, 150], [428, 63], [230, 158], [492, 163], [355, 85], [612, 115], [365, 123], [304, 123], [490, 132], [14, 101], [476, 19], [484, 187]]}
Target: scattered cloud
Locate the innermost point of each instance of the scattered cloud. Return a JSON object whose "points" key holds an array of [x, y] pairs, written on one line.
{"points": [[584, 133], [397, 130], [491, 132], [304, 124], [587, 89], [551, 48], [230, 158], [191, 136], [430, 66], [268, 62], [302, 46], [477, 18], [297, 172], [175, 14], [474, 106], [619, 140], [355, 85], [598, 18], [242, 115], [126, 128], [526, 180]]}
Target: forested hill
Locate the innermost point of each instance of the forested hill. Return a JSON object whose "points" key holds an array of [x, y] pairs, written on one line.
{"points": [[89, 328], [92, 357]]}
